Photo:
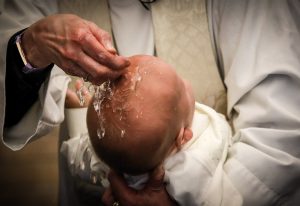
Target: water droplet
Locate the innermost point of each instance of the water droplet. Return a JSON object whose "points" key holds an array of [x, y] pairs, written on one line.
{"points": [[102, 93], [122, 133], [101, 132], [96, 106], [91, 88], [80, 95]]}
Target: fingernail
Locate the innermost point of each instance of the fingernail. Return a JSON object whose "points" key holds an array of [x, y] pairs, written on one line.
{"points": [[109, 46], [127, 62]]}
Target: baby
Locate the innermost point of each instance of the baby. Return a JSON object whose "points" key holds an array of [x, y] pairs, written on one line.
{"points": [[145, 117], [148, 117]]}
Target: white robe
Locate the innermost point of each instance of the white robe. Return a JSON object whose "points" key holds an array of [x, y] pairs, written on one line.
{"points": [[257, 49], [47, 112]]}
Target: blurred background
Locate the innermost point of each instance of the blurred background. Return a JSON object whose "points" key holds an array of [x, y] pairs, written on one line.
{"points": [[30, 176]]}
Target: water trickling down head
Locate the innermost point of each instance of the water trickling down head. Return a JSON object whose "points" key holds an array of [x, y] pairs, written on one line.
{"points": [[140, 114]]}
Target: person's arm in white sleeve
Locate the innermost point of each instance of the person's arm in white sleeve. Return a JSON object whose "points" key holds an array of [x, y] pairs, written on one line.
{"points": [[79, 47], [21, 90], [258, 47]]}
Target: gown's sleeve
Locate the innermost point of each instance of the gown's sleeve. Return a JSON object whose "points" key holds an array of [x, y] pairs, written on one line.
{"points": [[20, 86], [47, 110], [258, 47]]}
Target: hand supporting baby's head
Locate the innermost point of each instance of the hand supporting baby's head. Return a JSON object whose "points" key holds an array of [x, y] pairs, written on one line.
{"points": [[140, 116]]}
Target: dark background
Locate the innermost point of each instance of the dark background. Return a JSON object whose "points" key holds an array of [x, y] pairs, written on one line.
{"points": [[30, 176]]}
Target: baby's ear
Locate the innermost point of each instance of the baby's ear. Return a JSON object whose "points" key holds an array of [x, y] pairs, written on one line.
{"points": [[184, 136], [187, 135]]}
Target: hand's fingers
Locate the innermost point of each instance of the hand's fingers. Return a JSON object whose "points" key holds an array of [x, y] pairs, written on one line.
{"points": [[88, 69], [145, 197], [72, 68], [76, 70], [85, 66], [102, 36], [80, 50], [155, 188], [93, 48], [107, 197], [121, 192], [156, 179]]}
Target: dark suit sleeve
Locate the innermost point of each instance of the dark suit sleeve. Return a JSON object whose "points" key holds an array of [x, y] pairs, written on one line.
{"points": [[21, 89]]}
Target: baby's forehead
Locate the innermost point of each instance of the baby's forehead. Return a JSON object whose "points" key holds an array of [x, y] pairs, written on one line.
{"points": [[141, 74]]}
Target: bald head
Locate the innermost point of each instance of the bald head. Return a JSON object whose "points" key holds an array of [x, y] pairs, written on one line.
{"points": [[140, 116]]}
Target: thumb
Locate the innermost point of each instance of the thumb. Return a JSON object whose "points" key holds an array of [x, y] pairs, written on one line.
{"points": [[107, 197], [156, 179], [120, 189]]}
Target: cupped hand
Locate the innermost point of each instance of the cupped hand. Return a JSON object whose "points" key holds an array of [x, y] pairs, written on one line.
{"points": [[76, 45], [154, 193]]}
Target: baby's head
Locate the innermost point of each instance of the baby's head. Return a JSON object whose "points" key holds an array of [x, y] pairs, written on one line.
{"points": [[145, 116]]}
